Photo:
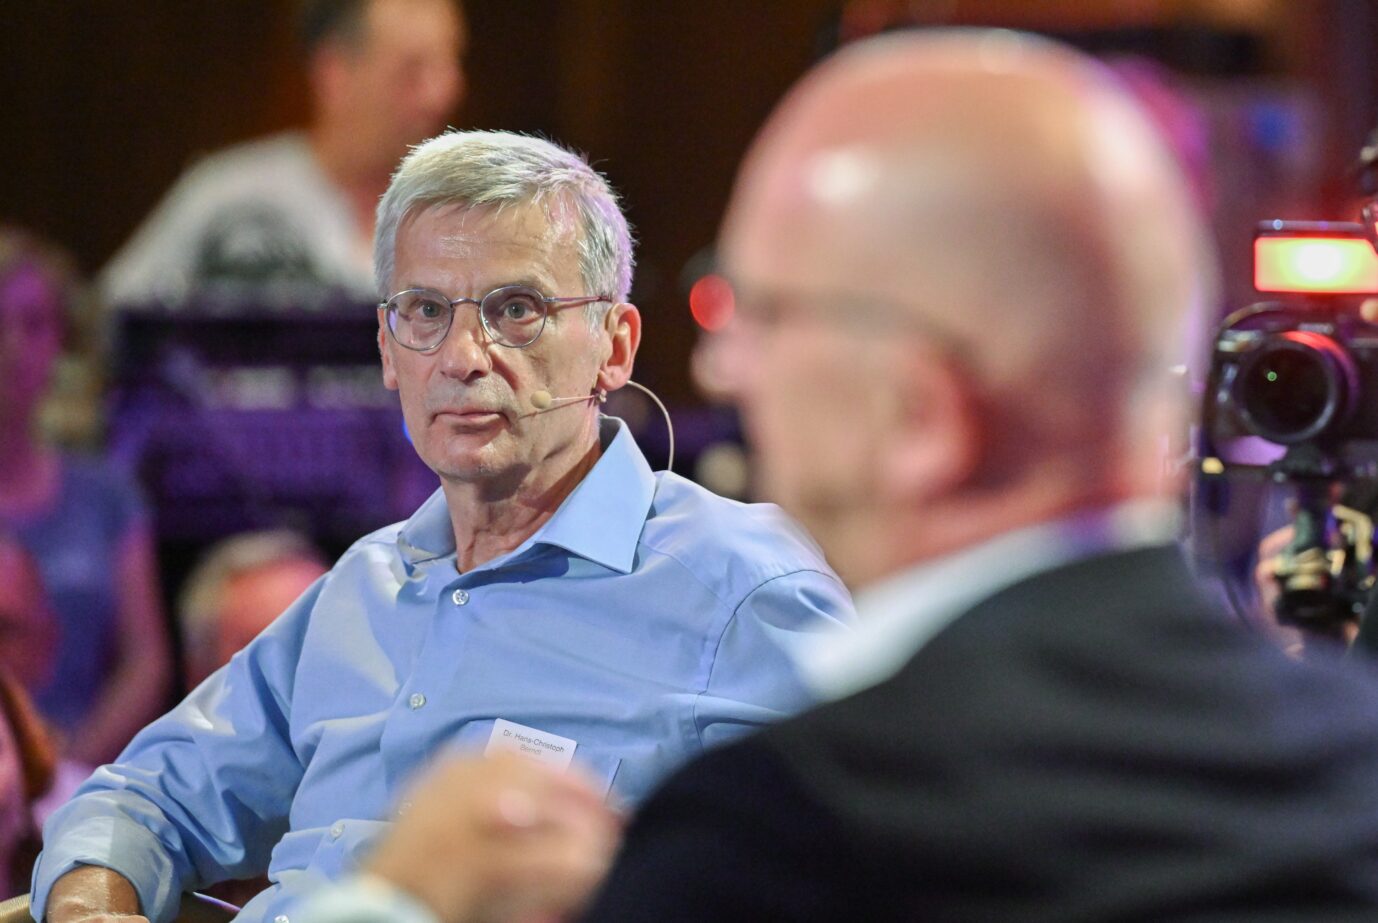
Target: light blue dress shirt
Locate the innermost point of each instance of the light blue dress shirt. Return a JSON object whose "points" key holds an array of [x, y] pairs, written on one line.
{"points": [[646, 620]]}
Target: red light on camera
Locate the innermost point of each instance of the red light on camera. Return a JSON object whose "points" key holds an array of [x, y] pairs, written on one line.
{"points": [[1315, 265]]}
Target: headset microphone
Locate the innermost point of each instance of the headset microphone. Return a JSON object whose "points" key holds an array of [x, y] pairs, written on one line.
{"points": [[543, 400]]}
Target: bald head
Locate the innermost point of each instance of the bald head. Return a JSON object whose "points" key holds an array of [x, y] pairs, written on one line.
{"points": [[1004, 198], [989, 182]]}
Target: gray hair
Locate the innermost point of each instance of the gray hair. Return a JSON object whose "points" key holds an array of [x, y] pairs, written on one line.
{"points": [[198, 604], [474, 168]]}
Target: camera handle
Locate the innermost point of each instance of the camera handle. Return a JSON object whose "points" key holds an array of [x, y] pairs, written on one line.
{"points": [[1324, 573]]}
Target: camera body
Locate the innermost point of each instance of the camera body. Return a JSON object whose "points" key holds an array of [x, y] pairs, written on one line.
{"points": [[1292, 396], [1301, 372], [1294, 378]]}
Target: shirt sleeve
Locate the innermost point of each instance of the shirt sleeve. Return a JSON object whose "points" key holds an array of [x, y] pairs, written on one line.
{"points": [[755, 677], [200, 795]]}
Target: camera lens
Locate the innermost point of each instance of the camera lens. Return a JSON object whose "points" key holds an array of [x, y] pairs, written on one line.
{"points": [[1295, 387]]}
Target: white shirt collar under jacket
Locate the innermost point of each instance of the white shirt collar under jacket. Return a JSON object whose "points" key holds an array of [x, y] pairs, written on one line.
{"points": [[899, 614]]}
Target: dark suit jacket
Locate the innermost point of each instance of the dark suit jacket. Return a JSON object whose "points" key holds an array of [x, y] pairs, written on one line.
{"points": [[1093, 743]]}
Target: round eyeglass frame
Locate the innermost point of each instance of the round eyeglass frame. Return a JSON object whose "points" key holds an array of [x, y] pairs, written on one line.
{"points": [[496, 297]]}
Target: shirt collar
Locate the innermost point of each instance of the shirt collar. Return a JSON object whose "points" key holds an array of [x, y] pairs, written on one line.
{"points": [[898, 615], [601, 520]]}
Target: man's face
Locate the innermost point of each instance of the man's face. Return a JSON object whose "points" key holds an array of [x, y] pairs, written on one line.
{"points": [[810, 369], [467, 403], [403, 81]]}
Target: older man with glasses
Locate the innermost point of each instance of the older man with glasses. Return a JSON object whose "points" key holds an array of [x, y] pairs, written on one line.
{"points": [[554, 598]]}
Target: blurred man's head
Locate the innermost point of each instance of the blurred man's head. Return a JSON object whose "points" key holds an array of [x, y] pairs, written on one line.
{"points": [[236, 591], [384, 73], [963, 260]]}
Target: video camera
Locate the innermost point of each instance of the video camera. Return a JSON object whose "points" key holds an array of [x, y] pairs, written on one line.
{"points": [[1292, 396]]}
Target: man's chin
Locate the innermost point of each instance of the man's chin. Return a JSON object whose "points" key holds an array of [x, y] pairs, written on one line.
{"points": [[478, 466]]}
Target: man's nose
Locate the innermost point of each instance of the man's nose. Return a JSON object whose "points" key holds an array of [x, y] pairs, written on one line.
{"points": [[464, 353]]}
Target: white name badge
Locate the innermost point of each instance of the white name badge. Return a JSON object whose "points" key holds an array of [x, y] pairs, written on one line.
{"points": [[543, 747]]}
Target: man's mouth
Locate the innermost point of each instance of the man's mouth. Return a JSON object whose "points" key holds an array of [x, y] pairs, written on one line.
{"points": [[470, 417]]}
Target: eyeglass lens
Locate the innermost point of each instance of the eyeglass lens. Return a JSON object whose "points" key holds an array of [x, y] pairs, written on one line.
{"points": [[513, 315]]}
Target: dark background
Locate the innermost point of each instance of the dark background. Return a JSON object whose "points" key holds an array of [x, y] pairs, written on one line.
{"points": [[104, 102]]}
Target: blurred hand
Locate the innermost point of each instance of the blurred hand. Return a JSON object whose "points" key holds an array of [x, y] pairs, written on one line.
{"points": [[1265, 575], [499, 838], [1293, 639]]}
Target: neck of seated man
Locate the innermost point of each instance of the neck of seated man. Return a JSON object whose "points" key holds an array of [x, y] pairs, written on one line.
{"points": [[492, 516]]}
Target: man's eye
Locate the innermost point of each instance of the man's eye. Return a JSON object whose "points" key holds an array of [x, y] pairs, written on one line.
{"points": [[518, 309], [429, 310]]}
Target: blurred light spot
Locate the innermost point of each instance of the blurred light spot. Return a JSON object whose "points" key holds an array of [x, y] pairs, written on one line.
{"points": [[724, 469], [839, 177], [711, 302], [1314, 264]]}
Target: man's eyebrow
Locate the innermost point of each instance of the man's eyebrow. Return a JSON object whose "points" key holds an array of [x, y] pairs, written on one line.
{"points": [[540, 284]]}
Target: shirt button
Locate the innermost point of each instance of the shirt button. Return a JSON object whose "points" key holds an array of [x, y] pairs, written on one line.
{"points": [[281, 918], [336, 830], [460, 597], [416, 700]]}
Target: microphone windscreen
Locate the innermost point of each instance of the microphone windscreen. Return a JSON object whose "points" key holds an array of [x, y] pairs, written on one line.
{"points": [[541, 399]]}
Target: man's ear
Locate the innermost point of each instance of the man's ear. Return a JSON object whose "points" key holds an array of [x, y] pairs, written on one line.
{"points": [[389, 373], [937, 433], [622, 328]]}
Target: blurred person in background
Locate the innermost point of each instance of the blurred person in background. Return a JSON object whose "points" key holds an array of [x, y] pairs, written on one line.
{"points": [[84, 525], [26, 770], [293, 213], [236, 590], [28, 626], [28, 654]]}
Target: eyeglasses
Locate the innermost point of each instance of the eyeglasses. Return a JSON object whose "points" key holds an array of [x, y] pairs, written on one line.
{"points": [[867, 316], [512, 316]]}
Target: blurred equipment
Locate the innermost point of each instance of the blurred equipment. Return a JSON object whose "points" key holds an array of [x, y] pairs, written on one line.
{"points": [[245, 420], [1292, 395]]}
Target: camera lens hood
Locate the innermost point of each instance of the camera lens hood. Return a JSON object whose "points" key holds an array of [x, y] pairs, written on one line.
{"points": [[1299, 385]]}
